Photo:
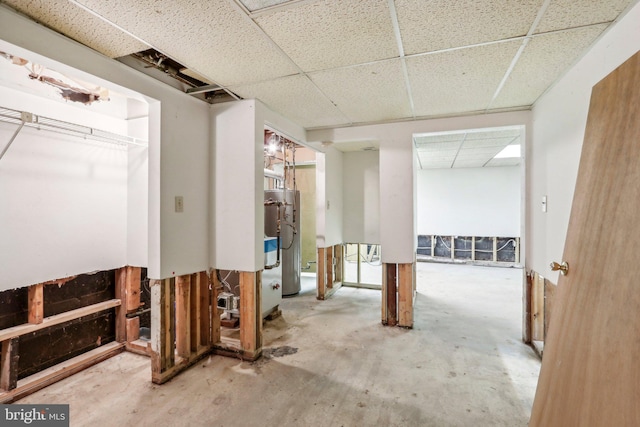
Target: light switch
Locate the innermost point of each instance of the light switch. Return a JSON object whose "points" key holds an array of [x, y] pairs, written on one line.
{"points": [[179, 204], [544, 203]]}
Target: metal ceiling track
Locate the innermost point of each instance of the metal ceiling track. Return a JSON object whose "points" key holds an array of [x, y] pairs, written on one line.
{"points": [[23, 118]]}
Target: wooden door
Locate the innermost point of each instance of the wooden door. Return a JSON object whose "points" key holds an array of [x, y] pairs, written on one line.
{"points": [[591, 366]]}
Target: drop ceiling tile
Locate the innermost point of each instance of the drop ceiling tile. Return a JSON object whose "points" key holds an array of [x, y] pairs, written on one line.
{"points": [[446, 137], [296, 98], [212, 38], [367, 93], [504, 162], [488, 142], [458, 81], [543, 61], [563, 14], [469, 163], [438, 146], [333, 33], [480, 152], [426, 26], [80, 25], [497, 133], [436, 158], [254, 5]]}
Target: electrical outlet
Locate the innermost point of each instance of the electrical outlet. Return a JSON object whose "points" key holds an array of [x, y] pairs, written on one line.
{"points": [[179, 204]]}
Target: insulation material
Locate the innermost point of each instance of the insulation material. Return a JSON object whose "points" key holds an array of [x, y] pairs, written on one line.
{"points": [[442, 24], [333, 33], [80, 25], [557, 52], [458, 81]]}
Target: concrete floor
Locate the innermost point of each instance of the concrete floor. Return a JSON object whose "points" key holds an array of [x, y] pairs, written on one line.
{"points": [[333, 364]]}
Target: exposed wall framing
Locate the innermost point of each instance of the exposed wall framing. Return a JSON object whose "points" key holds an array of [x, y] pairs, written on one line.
{"points": [[329, 271], [538, 304], [398, 294], [469, 248], [181, 323], [54, 329]]}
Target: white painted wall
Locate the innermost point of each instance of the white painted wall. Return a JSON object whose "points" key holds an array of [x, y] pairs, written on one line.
{"points": [[238, 187], [329, 197], [63, 199], [559, 121], [179, 142], [238, 197], [469, 201], [361, 197]]}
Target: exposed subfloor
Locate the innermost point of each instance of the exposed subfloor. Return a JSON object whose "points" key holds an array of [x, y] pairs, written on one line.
{"points": [[331, 363]]}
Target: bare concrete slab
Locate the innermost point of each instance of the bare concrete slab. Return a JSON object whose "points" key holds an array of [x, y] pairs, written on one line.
{"points": [[331, 363]]}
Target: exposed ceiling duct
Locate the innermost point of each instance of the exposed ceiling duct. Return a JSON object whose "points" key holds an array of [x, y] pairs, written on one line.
{"points": [[189, 81]]}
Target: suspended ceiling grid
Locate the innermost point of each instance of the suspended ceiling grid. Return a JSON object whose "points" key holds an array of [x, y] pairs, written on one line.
{"points": [[466, 149], [328, 63]]}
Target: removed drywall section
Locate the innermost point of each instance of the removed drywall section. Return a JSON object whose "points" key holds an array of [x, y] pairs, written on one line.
{"points": [[559, 120], [361, 197], [469, 201]]}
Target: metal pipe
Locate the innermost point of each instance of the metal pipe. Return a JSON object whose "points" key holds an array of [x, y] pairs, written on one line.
{"points": [[273, 174], [4, 150]]}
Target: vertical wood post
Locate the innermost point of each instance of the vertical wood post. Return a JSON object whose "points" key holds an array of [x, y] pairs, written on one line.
{"points": [[338, 254], [216, 287], [183, 310], [384, 294], [194, 315], [391, 288], [132, 289], [205, 306], [9, 366], [251, 314], [320, 274], [526, 306], [329, 267], [405, 295], [36, 303], [162, 328], [121, 310], [453, 247]]}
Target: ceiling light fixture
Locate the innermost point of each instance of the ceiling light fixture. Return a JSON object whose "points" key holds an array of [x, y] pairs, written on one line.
{"points": [[509, 152]]}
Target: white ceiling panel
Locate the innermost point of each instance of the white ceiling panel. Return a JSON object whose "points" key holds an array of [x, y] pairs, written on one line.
{"points": [[504, 162], [296, 98], [438, 146], [333, 33], [458, 81], [475, 163], [213, 38], [488, 142], [439, 138], [367, 93], [480, 152], [80, 25], [543, 61], [426, 26], [575, 13], [254, 5]]}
